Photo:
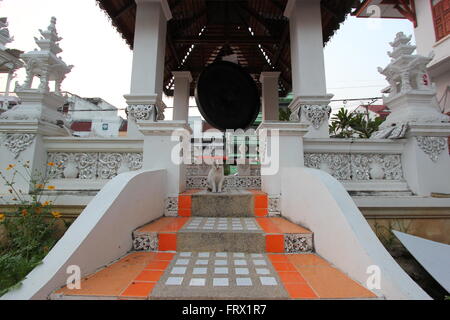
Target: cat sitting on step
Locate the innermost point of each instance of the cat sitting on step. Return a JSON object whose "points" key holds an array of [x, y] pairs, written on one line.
{"points": [[216, 177]]}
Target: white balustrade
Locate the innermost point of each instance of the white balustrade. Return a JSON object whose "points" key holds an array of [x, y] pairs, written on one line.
{"points": [[90, 161], [360, 164]]}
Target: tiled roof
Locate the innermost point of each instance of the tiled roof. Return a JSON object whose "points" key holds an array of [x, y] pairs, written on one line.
{"points": [[81, 126]]}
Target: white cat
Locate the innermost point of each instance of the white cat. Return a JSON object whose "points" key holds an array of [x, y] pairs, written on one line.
{"points": [[216, 177]]}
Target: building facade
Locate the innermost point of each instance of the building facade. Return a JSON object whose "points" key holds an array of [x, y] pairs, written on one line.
{"points": [[92, 117]]}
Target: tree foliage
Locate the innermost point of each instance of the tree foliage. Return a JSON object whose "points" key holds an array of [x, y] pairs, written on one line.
{"points": [[347, 124]]}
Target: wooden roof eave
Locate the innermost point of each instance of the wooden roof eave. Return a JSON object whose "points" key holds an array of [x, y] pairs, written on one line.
{"points": [[265, 17], [392, 9]]}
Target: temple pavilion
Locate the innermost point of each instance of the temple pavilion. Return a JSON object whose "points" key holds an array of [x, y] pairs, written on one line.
{"points": [[293, 227]]}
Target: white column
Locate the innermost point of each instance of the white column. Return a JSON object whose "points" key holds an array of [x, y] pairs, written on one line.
{"points": [[8, 83], [270, 97], [181, 95], [284, 145], [161, 151], [148, 57], [308, 66]]}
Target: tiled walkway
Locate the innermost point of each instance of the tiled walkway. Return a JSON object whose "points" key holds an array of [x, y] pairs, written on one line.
{"points": [[221, 275], [218, 275]]}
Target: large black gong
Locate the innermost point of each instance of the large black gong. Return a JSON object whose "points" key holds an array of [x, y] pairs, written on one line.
{"points": [[227, 96]]}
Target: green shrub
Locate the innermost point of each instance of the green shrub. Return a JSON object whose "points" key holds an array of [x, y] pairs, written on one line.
{"points": [[30, 228]]}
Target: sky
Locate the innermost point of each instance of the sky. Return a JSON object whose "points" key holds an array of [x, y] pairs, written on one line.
{"points": [[102, 60]]}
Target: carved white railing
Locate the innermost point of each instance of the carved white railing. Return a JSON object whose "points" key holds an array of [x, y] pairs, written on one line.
{"points": [[92, 165], [360, 164], [92, 159], [248, 177], [197, 178]]}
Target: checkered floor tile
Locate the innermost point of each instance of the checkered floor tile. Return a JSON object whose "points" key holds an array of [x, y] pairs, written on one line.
{"points": [[221, 274], [222, 224]]}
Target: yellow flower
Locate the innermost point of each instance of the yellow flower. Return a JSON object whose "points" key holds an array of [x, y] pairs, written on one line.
{"points": [[2, 217], [39, 186], [56, 214], [46, 203], [24, 212], [51, 164], [10, 166], [51, 187]]}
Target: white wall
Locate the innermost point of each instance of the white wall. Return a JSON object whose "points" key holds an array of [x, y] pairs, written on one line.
{"points": [[101, 234], [426, 43], [342, 235], [113, 127], [426, 35], [443, 88], [78, 104], [98, 116]]}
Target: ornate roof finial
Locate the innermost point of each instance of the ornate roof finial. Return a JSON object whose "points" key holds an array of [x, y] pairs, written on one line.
{"points": [[51, 33], [401, 45], [400, 39], [49, 38], [5, 37], [412, 95], [407, 71], [45, 63]]}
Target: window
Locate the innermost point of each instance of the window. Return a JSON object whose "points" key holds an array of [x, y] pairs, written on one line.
{"points": [[441, 16]]}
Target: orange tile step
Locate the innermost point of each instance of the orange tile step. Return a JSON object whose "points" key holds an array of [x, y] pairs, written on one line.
{"points": [[270, 234], [308, 276], [148, 275], [132, 277], [260, 204]]}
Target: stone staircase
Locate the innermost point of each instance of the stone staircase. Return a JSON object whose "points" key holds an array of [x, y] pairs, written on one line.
{"points": [[221, 246], [235, 221]]}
